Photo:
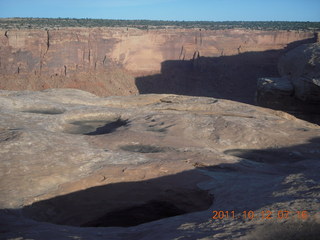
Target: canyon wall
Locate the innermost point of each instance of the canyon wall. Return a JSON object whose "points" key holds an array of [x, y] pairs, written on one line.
{"points": [[107, 61]]}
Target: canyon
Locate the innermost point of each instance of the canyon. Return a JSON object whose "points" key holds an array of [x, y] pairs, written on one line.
{"points": [[128, 61], [124, 133]]}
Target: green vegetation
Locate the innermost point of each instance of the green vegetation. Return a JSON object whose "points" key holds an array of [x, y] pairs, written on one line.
{"points": [[49, 23]]}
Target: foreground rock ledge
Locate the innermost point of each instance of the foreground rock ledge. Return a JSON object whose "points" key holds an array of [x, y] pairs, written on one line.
{"points": [[73, 159]]}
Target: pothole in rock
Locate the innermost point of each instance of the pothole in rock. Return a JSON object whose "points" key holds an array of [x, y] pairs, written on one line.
{"points": [[119, 205], [140, 148], [132, 216], [94, 127], [50, 111], [7, 135], [270, 156]]}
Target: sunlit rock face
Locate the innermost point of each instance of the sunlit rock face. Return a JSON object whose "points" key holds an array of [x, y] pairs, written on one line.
{"points": [[112, 61]]}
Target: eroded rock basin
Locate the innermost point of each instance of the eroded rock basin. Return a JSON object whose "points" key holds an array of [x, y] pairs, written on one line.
{"points": [[94, 127], [150, 167], [121, 204], [49, 111]]}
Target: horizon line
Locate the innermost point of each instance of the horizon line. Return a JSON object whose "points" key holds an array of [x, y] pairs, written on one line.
{"points": [[159, 20]]}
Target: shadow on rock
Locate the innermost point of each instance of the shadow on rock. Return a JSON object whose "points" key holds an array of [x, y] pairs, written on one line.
{"points": [[125, 204], [227, 77], [261, 178]]}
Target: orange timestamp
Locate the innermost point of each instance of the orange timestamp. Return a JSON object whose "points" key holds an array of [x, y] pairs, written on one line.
{"points": [[266, 214]]}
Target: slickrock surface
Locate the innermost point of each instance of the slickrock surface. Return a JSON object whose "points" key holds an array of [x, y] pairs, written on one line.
{"points": [[76, 166]]}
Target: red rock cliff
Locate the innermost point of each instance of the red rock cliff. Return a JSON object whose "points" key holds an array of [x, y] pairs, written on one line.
{"points": [[72, 57]]}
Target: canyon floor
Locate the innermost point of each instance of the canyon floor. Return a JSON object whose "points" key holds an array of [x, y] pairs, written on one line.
{"points": [[155, 166]]}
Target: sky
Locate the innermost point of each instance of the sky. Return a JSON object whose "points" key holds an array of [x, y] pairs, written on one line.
{"points": [[180, 10]]}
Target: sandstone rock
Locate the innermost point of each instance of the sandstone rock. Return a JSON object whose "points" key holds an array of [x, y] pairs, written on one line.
{"points": [[302, 67], [298, 90], [107, 61], [276, 84], [71, 159], [275, 92]]}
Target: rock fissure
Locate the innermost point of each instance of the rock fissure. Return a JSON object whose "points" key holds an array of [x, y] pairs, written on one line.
{"points": [[48, 42]]}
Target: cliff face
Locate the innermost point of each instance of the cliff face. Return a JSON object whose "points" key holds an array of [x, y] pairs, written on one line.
{"points": [[71, 57], [297, 91]]}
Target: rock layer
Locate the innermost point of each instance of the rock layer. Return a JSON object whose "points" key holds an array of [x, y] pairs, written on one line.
{"points": [[106, 61]]}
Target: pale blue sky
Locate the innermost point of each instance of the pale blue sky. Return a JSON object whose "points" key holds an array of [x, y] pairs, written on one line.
{"points": [[188, 10]]}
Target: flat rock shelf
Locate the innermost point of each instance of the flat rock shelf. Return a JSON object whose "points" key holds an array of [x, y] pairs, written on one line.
{"points": [[154, 166]]}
